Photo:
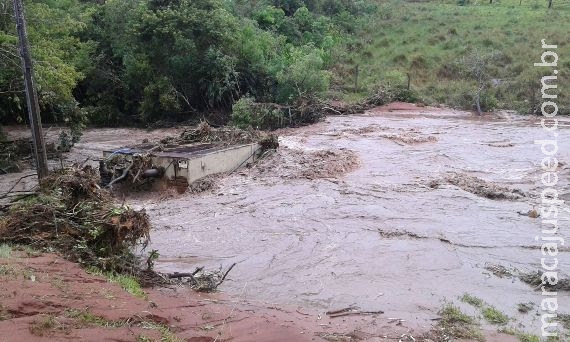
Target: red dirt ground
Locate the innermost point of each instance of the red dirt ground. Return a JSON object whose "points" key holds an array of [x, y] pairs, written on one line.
{"points": [[46, 298]]}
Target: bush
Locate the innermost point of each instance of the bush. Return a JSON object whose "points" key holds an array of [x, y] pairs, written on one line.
{"points": [[248, 113], [403, 94], [382, 95], [304, 76], [242, 112], [464, 98], [488, 102]]}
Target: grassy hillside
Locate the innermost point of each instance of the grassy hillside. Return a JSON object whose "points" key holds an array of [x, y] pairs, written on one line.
{"points": [[427, 39]]}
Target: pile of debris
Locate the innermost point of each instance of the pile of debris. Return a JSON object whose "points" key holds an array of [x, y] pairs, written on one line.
{"points": [[72, 215], [379, 96], [535, 279], [409, 138], [136, 170], [226, 136], [17, 154], [531, 278], [201, 280], [479, 187]]}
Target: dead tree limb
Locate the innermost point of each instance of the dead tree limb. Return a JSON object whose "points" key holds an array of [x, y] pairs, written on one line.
{"points": [[177, 275], [123, 176], [225, 275], [15, 184]]}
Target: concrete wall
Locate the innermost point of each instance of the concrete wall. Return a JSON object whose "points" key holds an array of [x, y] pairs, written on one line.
{"points": [[220, 161]]}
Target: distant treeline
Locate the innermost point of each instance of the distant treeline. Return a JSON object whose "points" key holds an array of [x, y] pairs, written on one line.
{"points": [[141, 61]]}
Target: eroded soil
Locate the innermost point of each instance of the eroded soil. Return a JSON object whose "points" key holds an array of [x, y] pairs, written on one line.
{"points": [[45, 298]]}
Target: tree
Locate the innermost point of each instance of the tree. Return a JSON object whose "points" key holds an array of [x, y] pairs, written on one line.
{"points": [[57, 53], [119, 62], [304, 76], [475, 66]]}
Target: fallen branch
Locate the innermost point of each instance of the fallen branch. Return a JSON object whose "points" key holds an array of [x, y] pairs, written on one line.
{"points": [[137, 175], [13, 186], [123, 176], [351, 311], [201, 281], [225, 275], [332, 110], [177, 275]]}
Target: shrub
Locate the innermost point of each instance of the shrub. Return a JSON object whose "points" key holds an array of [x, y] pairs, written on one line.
{"points": [[383, 94], [242, 112], [403, 94], [304, 76], [248, 113]]}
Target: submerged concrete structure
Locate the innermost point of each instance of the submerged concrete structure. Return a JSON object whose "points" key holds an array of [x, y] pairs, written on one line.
{"points": [[189, 163]]}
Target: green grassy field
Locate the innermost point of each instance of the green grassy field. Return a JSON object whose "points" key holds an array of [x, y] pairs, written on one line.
{"points": [[427, 39]]}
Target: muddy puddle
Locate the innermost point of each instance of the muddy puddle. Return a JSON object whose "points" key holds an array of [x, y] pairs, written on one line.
{"points": [[375, 232]]}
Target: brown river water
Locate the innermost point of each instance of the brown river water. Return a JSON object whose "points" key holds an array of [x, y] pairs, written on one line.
{"points": [[356, 211], [379, 237]]}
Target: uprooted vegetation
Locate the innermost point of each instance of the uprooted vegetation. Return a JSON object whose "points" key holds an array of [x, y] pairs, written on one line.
{"points": [[479, 187], [409, 138], [403, 137], [72, 215], [308, 110], [12, 153], [248, 113], [201, 280], [203, 185], [120, 168], [224, 136], [535, 279], [17, 154], [454, 324], [291, 163], [531, 278], [379, 95]]}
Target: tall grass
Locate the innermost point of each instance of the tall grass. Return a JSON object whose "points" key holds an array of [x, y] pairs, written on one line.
{"points": [[426, 39]]}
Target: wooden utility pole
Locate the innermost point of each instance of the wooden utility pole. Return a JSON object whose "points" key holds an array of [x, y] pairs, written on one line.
{"points": [[31, 92]]}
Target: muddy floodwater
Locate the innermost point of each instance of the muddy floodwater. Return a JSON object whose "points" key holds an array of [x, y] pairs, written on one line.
{"points": [[389, 235]]}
